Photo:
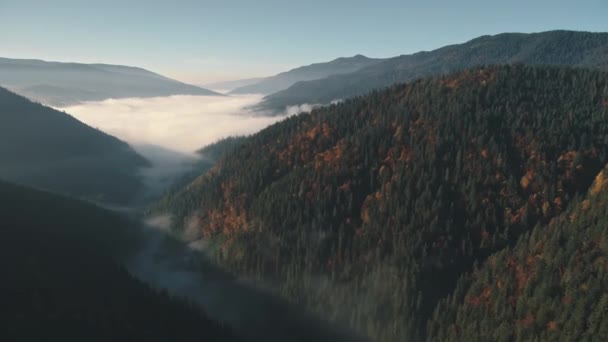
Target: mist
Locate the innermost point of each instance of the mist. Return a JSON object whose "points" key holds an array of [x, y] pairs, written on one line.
{"points": [[181, 123], [180, 267]]}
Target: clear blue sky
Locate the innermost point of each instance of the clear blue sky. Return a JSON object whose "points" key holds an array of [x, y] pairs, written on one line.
{"points": [[199, 41]]}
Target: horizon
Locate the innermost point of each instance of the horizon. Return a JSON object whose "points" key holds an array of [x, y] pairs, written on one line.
{"points": [[204, 42]]}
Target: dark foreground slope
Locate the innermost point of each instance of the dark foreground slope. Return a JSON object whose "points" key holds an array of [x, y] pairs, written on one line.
{"points": [[63, 84], [552, 286], [61, 280], [369, 211], [45, 148], [554, 47]]}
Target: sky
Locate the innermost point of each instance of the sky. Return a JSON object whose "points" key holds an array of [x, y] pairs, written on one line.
{"points": [[207, 41]]}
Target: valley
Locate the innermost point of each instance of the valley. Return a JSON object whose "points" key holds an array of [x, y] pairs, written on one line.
{"points": [[324, 171]]}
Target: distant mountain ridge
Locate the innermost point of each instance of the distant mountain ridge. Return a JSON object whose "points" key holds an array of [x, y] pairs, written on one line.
{"points": [[45, 148], [62, 84], [584, 49], [315, 71], [231, 85]]}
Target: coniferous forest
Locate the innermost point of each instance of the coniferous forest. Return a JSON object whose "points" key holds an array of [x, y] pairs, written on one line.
{"points": [[456, 208]]}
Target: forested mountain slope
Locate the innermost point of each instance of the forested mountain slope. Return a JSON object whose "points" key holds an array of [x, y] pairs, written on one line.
{"points": [[553, 285], [45, 148], [63, 84], [62, 280], [553, 47], [369, 211]]}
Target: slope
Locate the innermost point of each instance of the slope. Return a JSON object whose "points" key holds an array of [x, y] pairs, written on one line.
{"points": [[554, 47], [60, 280], [369, 211], [63, 84], [46, 148], [551, 286], [316, 71]]}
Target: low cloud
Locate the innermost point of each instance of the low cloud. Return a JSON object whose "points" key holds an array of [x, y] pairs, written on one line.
{"points": [[180, 123]]}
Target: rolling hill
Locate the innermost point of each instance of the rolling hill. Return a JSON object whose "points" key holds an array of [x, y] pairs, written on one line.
{"points": [[582, 49], [370, 211], [45, 148], [63, 84], [316, 71]]}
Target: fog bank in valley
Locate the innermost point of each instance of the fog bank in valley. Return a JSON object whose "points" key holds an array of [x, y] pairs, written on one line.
{"points": [[180, 123]]}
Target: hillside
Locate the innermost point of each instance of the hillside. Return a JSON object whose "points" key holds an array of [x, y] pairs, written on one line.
{"points": [[63, 84], [369, 211], [61, 280], [315, 71], [553, 285], [546, 48], [45, 148]]}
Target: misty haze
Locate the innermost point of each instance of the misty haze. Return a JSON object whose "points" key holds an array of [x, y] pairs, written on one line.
{"points": [[182, 123], [321, 171]]}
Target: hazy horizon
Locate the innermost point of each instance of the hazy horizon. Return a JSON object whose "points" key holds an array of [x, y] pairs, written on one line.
{"points": [[201, 42]]}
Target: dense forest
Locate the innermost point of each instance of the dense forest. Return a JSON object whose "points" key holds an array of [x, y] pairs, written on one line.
{"points": [[63, 279], [552, 285], [582, 49], [45, 148], [370, 211]]}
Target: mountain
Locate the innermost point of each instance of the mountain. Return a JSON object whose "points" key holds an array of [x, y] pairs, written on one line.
{"points": [[550, 286], [554, 47], [45, 148], [63, 84], [231, 85], [62, 280], [369, 211], [310, 72]]}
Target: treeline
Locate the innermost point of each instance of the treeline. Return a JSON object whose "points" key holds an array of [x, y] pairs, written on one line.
{"points": [[369, 211]]}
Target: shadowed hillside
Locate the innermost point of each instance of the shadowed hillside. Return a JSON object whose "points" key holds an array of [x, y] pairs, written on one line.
{"points": [[45, 148]]}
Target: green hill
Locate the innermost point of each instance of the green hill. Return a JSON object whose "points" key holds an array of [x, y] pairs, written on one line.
{"points": [[369, 211], [552, 285]]}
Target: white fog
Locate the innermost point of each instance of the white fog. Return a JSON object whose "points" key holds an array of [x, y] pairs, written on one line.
{"points": [[180, 123]]}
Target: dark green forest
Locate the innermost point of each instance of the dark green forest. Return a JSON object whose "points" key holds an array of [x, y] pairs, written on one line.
{"points": [[384, 211], [552, 285], [64, 279], [48, 149]]}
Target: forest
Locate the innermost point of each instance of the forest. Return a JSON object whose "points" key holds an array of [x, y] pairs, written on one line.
{"points": [[427, 210], [67, 280]]}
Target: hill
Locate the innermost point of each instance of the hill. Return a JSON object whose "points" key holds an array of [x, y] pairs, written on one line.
{"points": [[547, 48], [369, 211], [552, 285], [63, 84], [45, 148], [316, 71], [62, 279]]}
